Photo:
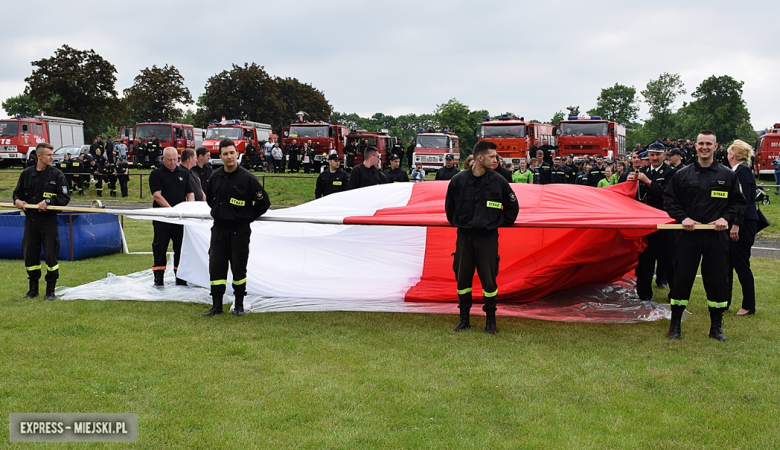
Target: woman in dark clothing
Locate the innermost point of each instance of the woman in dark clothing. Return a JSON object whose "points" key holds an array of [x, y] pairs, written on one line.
{"points": [[743, 232]]}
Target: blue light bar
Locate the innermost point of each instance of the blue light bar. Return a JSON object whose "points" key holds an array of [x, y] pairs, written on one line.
{"points": [[572, 118], [159, 120], [215, 121], [595, 117], [148, 120]]}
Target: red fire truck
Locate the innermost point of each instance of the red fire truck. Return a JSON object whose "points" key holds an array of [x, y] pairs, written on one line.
{"points": [[19, 136], [589, 136], [324, 137], [178, 135], [379, 139], [432, 147], [767, 151], [514, 136], [237, 130]]}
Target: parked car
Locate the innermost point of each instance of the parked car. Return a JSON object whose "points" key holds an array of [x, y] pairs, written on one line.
{"points": [[74, 151]]}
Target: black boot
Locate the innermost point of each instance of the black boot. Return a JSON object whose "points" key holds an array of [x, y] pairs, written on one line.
{"points": [[216, 307], [159, 278], [490, 322], [675, 330], [716, 321], [238, 305], [179, 281], [464, 320], [33, 292], [50, 285]]}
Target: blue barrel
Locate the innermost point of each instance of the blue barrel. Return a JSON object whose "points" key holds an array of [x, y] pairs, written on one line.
{"points": [[82, 235]]}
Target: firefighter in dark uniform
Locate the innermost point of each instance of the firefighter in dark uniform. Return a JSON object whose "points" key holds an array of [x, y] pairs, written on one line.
{"points": [[331, 180], [170, 185], [203, 165], [558, 173], [78, 166], [449, 169], [109, 174], [653, 180], [703, 193], [350, 151], [394, 173], [597, 172], [140, 154], [45, 186], [478, 201], [96, 171], [236, 199], [398, 150], [65, 168], [251, 157], [367, 173], [123, 174], [152, 149], [410, 155]]}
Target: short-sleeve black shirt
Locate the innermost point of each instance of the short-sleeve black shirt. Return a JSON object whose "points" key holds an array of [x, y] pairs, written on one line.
{"points": [[175, 185]]}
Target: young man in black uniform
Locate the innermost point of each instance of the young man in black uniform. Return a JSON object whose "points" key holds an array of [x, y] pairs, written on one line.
{"points": [[236, 199], [140, 154], [123, 175], [544, 169], [109, 174], [331, 180], [189, 162], [558, 174], [597, 172], [653, 180], [394, 173], [703, 193], [96, 170], [410, 155], [78, 166], [251, 157], [478, 201], [350, 151], [367, 173], [449, 169], [293, 151], [45, 186], [170, 185], [65, 168], [152, 148], [203, 165]]}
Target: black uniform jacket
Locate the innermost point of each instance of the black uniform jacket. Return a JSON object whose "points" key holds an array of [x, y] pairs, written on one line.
{"points": [[480, 204], [653, 195], [236, 198], [704, 194], [748, 187], [34, 186], [175, 185], [330, 183], [398, 175], [363, 176], [445, 173]]}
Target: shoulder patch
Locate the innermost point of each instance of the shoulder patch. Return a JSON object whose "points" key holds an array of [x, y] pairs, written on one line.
{"points": [[513, 197]]}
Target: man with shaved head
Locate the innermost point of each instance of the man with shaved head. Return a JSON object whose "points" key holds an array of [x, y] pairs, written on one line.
{"points": [[170, 185]]}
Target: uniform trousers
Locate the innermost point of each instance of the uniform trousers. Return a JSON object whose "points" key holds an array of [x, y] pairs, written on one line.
{"points": [[123, 179], [164, 233], [740, 262], [711, 248], [228, 246], [481, 253], [41, 231]]}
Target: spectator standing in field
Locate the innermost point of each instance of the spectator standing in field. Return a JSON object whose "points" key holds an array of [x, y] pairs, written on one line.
{"points": [[418, 174], [278, 158]]}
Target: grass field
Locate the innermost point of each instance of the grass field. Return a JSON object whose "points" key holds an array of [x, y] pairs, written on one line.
{"points": [[371, 380]]}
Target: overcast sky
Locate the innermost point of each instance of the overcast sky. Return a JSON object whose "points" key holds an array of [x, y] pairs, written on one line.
{"points": [[531, 58]]}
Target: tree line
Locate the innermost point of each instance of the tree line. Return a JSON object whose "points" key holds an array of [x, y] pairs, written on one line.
{"points": [[82, 85]]}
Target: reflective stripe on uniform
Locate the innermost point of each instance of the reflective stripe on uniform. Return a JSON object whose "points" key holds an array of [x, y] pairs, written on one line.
{"points": [[31, 268], [678, 302], [54, 267], [717, 305], [490, 294], [217, 282], [239, 281], [464, 291], [158, 267]]}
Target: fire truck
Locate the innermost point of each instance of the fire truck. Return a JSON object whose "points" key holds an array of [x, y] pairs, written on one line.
{"points": [[589, 136], [767, 151], [324, 136], [19, 136], [432, 147], [514, 136], [379, 139], [237, 130], [178, 135]]}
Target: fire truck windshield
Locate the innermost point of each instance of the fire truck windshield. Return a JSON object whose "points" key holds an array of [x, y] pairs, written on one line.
{"points": [[9, 128], [584, 129], [223, 133], [145, 132], [308, 131], [432, 141], [503, 131]]}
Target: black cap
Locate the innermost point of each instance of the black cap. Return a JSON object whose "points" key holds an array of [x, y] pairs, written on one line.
{"points": [[333, 157], [675, 151], [657, 146], [394, 156], [449, 156]]}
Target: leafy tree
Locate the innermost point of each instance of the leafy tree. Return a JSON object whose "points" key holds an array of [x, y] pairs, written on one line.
{"points": [[247, 93], [660, 94], [718, 107], [456, 117], [557, 117], [188, 117], [76, 84], [618, 104], [297, 96], [21, 104], [155, 93]]}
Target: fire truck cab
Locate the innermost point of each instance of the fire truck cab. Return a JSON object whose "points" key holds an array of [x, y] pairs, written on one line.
{"points": [[177, 135], [514, 136], [379, 139], [432, 147], [591, 135], [19, 136], [239, 131], [323, 138], [767, 151]]}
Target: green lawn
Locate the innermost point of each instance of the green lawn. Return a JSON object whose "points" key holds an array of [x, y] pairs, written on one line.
{"points": [[375, 380]]}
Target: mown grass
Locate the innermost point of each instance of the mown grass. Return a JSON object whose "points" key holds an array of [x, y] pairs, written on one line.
{"points": [[371, 380]]}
